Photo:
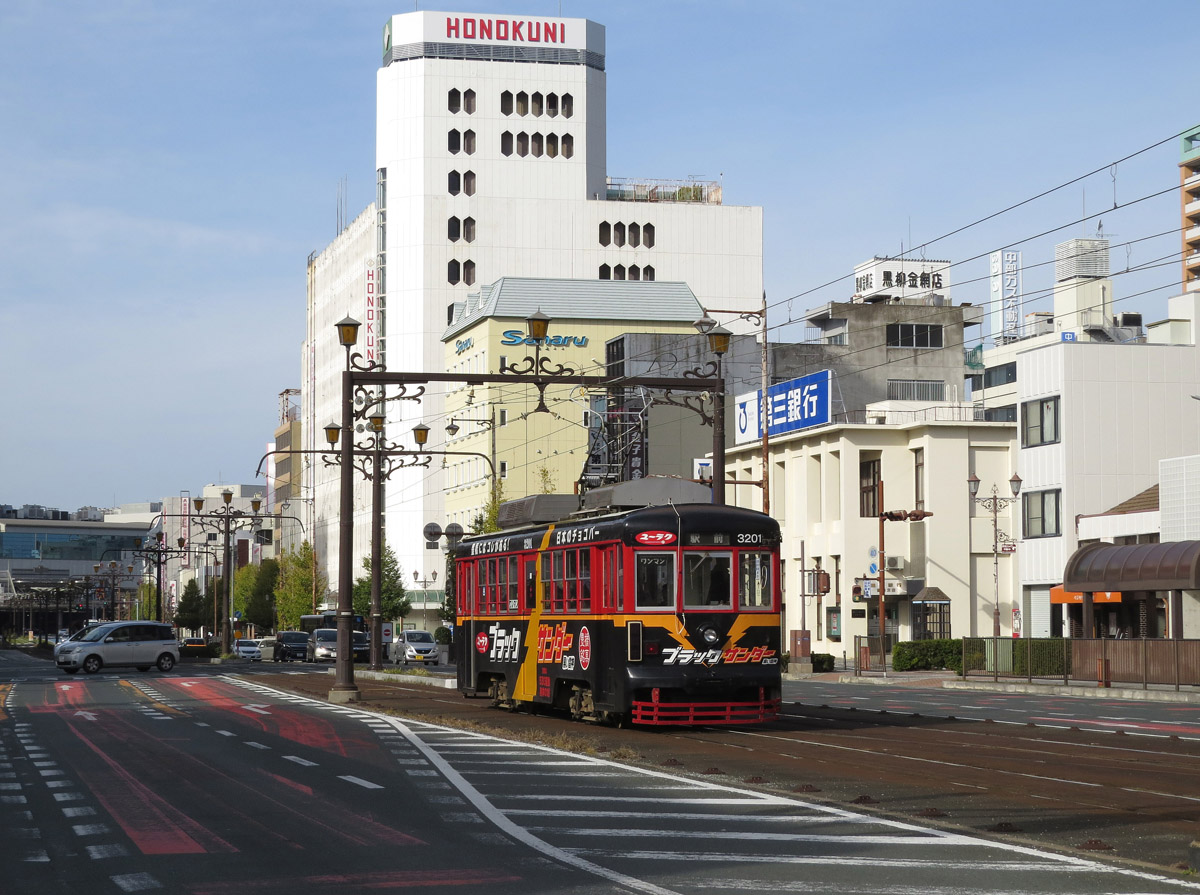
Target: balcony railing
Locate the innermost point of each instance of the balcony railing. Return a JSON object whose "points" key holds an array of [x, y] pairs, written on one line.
{"points": [[1102, 661], [627, 189]]}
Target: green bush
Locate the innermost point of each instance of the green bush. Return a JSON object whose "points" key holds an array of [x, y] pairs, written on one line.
{"points": [[442, 635], [822, 663], [926, 655]]}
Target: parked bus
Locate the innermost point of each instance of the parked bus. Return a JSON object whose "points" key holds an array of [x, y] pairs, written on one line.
{"points": [[328, 619]]}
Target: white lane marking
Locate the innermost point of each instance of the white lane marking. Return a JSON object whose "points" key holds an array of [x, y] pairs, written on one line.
{"points": [[79, 812], [112, 850], [90, 829], [358, 781], [59, 784], [858, 861], [10, 787], [254, 745], [13, 800], [227, 733], [758, 835], [44, 764], [67, 796], [38, 856], [136, 882], [640, 799], [1168, 795], [696, 815], [300, 761], [257, 707]]}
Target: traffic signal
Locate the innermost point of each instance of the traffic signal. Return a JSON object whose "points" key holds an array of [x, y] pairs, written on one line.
{"points": [[904, 515], [856, 593]]}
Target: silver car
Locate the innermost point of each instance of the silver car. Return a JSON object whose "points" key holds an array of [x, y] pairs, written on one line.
{"points": [[143, 645], [415, 646], [248, 649]]}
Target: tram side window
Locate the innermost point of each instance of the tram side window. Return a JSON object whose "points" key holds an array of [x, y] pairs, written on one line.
{"points": [[481, 587], [656, 581], [754, 581], [514, 585], [706, 580], [571, 581], [610, 585], [556, 582], [585, 580]]}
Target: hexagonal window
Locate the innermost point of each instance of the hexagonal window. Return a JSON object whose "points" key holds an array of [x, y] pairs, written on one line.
{"points": [[454, 141], [522, 103], [469, 101], [619, 272], [605, 272], [552, 104], [634, 272], [454, 101], [469, 183], [468, 229], [506, 142], [648, 235], [469, 273], [568, 146], [536, 147], [605, 233], [469, 142], [453, 273], [522, 144], [568, 105], [506, 103], [635, 235], [619, 235], [453, 183], [453, 229], [552, 145], [647, 272], [535, 105]]}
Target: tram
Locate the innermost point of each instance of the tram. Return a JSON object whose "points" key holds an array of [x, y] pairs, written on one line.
{"points": [[660, 615]]}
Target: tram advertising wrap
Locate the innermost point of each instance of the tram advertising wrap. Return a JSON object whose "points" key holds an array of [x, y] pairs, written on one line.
{"points": [[667, 615]]}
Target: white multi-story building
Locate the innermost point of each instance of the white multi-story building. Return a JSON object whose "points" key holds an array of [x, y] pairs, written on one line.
{"points": [[490, 149]]}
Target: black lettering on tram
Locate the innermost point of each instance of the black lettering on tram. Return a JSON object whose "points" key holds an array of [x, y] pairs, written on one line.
{"points": [[660, 615]]}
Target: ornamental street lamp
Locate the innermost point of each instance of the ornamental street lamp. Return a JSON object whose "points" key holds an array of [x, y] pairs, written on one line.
{"points": [[157, 552], [994, 504], [113, 574], [363, 383], [226, 519]]}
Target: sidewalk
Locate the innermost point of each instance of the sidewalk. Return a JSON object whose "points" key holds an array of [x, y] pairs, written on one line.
{"points": [[949, 680]]}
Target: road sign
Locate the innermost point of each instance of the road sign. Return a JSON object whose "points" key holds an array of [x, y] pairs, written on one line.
{"points": [[873, 568]]}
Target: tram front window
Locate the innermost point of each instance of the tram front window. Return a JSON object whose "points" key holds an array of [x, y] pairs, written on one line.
{"points": [[706, 580], [754, 581], [656, 581]]}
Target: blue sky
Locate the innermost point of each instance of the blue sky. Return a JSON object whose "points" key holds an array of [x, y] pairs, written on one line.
{"points": [[167, 167]]}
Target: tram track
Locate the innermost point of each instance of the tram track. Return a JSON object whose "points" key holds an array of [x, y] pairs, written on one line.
{"points": [[1071, 788]]}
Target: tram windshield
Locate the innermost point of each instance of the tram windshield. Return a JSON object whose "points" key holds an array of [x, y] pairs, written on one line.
{"points": [[656, 581], [754, 580], [706, 580]]}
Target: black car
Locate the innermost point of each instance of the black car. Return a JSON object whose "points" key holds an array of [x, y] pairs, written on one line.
{"points": [[362, 647], [291, 646]]}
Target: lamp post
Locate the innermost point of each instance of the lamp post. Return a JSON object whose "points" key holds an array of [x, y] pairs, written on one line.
{"points": [[994, 504], [226, 519], [365, 381], [452, 429], [718, 344], [114, 574], [424, 582], [157, 552]]}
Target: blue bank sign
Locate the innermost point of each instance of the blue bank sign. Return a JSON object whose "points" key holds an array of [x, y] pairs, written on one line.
{"points": [[790, 406]]}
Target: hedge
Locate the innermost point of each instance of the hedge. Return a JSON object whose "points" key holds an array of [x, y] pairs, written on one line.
{"points": [[925, 655]]}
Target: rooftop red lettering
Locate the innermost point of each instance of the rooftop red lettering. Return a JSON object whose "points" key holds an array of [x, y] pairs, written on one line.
{"points": [[451, 27], [502, 30], [551, 32], [516, 29], [469, 29], [535, 31], [485, 29]]}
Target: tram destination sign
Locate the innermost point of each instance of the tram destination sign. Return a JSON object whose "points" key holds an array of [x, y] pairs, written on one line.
{"points": [[790, 407]]}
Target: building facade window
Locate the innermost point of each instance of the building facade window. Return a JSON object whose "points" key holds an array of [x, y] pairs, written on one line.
{"points": [[1006, 414], [454, 183], [469, 101], [868, 490], [914, 335], [1039, 422], [1000, 375], [454, 101], [919, 478], [1042, 517], [469, 183], [916, 390]]}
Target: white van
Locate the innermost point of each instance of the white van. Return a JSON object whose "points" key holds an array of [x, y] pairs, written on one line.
{"points": [[142, 645]]}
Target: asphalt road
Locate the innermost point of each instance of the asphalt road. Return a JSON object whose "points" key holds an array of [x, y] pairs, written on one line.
{"points": [[216, 779]]}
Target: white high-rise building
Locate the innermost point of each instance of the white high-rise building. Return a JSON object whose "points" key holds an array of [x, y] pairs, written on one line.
{"points": [[490, 149]]}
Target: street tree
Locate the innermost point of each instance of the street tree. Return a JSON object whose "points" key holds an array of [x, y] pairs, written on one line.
{"points": [[260, 603], [189, 611], [393, 599], [300, 586]]}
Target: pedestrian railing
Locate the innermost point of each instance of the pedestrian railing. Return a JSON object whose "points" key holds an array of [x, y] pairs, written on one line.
{"points": [[1102, 661], [869, 654]]}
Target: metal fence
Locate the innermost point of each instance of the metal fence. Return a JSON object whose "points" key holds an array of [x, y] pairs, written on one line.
{"points": [[1101, 661], [869, 654]]}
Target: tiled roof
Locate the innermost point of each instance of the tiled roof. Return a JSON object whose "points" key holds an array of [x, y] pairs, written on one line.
{"points": [[565, 299], [1145, 502]]}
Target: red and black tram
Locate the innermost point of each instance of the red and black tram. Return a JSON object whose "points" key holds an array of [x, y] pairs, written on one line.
{"points": [[664, 615]]}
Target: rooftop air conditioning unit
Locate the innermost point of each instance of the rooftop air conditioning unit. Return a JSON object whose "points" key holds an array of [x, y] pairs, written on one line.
{"points": [[895, 563]]}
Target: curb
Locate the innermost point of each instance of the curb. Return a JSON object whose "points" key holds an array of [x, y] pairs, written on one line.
{"points": [[1183, 696], [445, 683]]}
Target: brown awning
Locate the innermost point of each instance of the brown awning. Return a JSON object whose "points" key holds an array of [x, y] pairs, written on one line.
{"points": [[1170, 566], [931, 594]]}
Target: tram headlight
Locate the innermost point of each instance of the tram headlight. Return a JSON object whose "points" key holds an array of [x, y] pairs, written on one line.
{"points": [[710, 635]]}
